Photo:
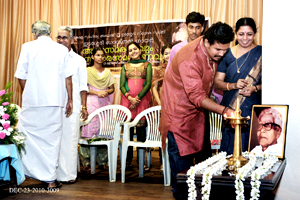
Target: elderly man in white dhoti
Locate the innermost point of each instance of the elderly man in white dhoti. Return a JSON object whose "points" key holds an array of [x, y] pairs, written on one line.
{"points": [[44, 77], [67, 166]]}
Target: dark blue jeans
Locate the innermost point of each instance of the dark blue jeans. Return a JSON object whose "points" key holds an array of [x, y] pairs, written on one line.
{"points": [[178, 164]]}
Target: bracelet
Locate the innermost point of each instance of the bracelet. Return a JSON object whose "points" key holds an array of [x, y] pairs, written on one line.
{"points": [[127, 94], [228, 87], [255, 88], [224, 111], [83, 107]]}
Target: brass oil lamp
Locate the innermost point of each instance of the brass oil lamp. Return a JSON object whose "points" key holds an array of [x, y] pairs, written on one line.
{"points": [[237, 160]]}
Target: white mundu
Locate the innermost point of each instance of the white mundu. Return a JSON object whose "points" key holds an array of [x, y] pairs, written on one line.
{"points": [[43, 64], [67, 167]]}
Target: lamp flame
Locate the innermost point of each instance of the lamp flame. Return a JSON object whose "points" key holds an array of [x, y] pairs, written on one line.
{"points": [[233, 115]]}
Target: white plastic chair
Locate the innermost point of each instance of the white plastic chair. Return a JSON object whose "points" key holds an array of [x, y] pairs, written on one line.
{"points": [[109, 117], [215, 121], [153, 139]]}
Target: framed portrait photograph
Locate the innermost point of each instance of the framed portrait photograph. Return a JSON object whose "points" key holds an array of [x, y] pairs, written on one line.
{"points": [[268, 129]]}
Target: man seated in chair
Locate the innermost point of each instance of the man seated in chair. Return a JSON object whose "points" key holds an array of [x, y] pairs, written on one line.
{"points": [[268, 131]]}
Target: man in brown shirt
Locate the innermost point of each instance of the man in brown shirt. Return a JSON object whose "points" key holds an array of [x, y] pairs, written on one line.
{"points": [[185, 95]]}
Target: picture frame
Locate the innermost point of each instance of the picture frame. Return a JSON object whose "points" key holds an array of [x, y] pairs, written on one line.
{"points": [[268, 129]]}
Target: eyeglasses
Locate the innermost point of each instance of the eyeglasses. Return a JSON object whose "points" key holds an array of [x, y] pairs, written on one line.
{"points": [[269, 126], [62, 38]]}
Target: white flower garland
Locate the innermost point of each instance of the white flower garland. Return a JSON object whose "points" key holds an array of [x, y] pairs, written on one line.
{"points": [[199, 169], [215, 169], [216, 164], [260, 172], [244, 172]]}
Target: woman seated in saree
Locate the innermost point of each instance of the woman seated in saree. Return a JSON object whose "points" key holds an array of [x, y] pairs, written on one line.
{"points": [[239, 76]]}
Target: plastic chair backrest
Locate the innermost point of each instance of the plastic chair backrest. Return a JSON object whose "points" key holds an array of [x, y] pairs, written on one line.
{"points": [[108, 117], [215, 121], [152, 116]]}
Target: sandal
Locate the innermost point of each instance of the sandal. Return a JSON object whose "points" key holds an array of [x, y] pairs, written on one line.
{"points": [[146, 169]]}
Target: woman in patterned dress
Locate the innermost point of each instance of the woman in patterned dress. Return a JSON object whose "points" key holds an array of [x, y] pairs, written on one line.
{"points": [[135, 85]]}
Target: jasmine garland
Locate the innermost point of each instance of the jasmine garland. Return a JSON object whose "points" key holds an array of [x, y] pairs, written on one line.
{"points": [[216, 164]]}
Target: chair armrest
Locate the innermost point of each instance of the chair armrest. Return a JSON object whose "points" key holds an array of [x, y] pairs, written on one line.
{"points": [[82, 123], [133, 123]]}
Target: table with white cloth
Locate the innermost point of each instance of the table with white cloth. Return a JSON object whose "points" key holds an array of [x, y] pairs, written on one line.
{"points": [[10, 165]]}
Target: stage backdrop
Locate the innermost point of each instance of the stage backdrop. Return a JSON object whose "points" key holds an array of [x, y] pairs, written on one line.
{"points": [[113, 38]]}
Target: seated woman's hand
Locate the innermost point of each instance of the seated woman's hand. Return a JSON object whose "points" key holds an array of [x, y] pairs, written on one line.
{"points": [[102, 94], [137, 99], [134, 101], [132, 107]]}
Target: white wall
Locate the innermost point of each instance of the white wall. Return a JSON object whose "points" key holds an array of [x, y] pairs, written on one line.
{"points": [[281, 81]]}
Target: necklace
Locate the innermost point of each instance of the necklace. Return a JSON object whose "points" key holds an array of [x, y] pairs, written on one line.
{"points": [[237, 66]]}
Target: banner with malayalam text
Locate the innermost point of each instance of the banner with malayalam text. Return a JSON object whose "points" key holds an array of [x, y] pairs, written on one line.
{"points": [[114, 38]]}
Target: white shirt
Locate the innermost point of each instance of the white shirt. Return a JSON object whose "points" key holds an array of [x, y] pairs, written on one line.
{"points": [[43, 63], [79, 78], [275, 149]]}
